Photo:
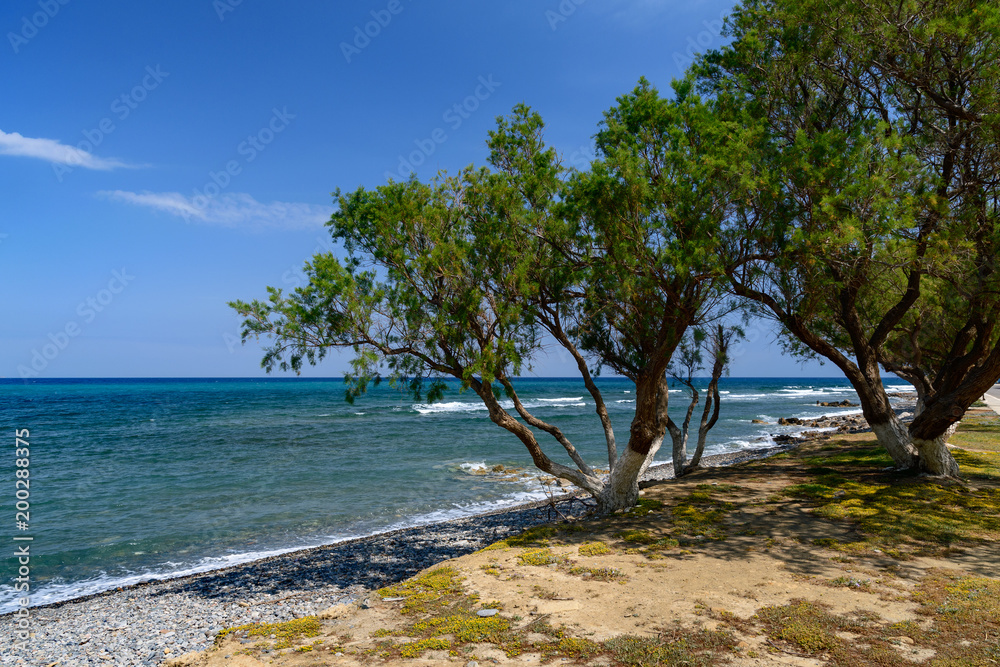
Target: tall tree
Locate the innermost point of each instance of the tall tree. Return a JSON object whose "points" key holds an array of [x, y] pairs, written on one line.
{"points": [[466, 276], [874, 113]]}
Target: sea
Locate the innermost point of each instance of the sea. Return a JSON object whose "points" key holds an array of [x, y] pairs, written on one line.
{"points": [[139, 479]]}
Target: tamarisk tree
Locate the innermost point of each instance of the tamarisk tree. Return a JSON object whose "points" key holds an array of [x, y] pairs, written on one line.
{"points": [[880, 123], [468, 276]]}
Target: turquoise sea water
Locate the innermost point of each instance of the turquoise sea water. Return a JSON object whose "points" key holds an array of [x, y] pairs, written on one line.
{"points": [[136, 479]]}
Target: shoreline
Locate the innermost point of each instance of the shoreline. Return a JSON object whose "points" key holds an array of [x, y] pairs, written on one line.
{"points": [[146, 623], [149, 622], [565, 500]]}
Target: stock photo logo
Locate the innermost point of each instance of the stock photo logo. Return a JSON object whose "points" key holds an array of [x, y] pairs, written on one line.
{"points": [[35, 22]]}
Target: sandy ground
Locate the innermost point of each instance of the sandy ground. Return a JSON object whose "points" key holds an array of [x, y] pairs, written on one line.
{"points": [[769, 557]]}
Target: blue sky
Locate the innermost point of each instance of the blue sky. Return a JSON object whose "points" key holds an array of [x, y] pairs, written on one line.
{"points": [[160, 159]]}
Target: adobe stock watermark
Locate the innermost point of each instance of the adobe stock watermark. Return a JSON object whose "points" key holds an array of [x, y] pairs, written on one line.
{"points": [[454, 116], [121, 107], [562, 12], [247, 150], [581, 158], [223, 7], [698, 43], [364, 34], [87, 311], [30, 25]]}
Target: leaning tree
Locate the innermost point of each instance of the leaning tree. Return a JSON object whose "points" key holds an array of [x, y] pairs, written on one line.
{"points": [[470, 276], [879, 142]]}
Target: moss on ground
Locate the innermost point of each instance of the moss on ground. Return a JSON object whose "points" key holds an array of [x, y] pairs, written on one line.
{"points": [[899, 514], [698, 648], [284, 634], [426, 593], [595, 549]]}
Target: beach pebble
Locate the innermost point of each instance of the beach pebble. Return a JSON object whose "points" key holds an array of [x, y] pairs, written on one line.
{"points": [[487, 612], [163, 622]]}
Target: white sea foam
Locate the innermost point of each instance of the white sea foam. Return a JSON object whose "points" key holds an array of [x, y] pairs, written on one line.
{"points": [[472, 466], [745, 397], [805, 393], [506, 404], [449, 406]]}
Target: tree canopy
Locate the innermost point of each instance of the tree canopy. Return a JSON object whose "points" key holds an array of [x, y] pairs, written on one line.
{"points": [[468, 276], [879, 125]]}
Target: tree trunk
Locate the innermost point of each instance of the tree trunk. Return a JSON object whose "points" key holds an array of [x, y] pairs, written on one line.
{"points": [[649, 457], [887, 427], [895, 438], [935, 459], [622, 488], [679, 453]]}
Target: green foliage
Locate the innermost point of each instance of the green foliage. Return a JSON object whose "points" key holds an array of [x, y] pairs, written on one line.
{"points": [[873, 241], [466, 275]]}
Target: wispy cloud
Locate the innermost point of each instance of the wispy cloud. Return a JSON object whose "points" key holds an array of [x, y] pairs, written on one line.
{"points": [[236, 210], [51, 150]]}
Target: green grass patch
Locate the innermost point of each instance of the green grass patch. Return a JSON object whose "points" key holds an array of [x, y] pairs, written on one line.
{"points": [[595, 549], [805, 625], [417, 648], [427, 593], [539, 557], [600, 573], [910, 511], [870, 456], [536, 536], [981, 433], [285, 633], [572, 648], [645, 506], [982, 465], [897, 513], [694, 648], [636, 536]]}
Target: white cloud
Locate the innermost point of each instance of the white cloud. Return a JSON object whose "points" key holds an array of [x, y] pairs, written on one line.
{"points": [[235, 210], [51, 150]]}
